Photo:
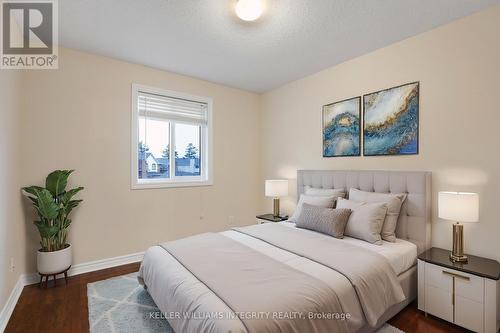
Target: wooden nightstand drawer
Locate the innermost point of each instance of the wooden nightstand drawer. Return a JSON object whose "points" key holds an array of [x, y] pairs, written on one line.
{"points": [[435, 276], [465, 298], [469, 286], [466, 285], [468, 314], [439, 302]]}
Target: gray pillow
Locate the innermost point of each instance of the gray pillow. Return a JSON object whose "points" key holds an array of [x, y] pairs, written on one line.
{"points": [[394, 203], [327, 202], [325, 220], [366, 220]]}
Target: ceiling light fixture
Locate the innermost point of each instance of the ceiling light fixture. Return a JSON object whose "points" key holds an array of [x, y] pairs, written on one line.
{"points": [[249, 10]]}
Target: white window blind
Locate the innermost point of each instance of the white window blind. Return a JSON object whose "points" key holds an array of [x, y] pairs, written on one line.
{"points": [[171, 139], [163, 107]]}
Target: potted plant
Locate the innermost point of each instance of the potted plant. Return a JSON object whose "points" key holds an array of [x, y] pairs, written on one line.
{"points": [[53, 205]]}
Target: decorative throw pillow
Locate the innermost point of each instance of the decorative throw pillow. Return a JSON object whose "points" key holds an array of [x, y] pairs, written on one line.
{"points": [[394, 203], [327, 202], [325, 220], [366, 220]]}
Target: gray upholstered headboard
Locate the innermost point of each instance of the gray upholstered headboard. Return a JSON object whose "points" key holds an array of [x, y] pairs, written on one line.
{"points": [[414, 223]]}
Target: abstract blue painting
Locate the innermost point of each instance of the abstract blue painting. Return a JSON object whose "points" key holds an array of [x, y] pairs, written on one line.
{"points": [[341, 128], [391, 121]]}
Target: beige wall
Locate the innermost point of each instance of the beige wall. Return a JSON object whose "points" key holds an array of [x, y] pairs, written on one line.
{"points": [[78, 117], [458, 66], [12, 227]]}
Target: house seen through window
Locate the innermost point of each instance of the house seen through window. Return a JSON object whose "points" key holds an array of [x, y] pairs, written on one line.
{"points": [[172, 132]]}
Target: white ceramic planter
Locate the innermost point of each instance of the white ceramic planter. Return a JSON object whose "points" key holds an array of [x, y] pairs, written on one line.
{"points": [[54, 262]]}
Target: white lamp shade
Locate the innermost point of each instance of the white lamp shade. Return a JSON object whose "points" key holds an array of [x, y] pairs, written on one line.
{"points": [[276, 188], [459, 206]]}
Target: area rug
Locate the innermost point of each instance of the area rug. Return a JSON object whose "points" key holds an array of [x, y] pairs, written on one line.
{"points": [[121, 305]]}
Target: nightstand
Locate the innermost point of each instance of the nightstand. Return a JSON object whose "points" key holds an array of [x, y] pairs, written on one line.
{"points": [[466, 294], [266, 218]]}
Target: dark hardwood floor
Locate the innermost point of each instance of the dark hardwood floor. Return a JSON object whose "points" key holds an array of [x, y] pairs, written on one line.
{"points": [[63, 308], [412, 320]]}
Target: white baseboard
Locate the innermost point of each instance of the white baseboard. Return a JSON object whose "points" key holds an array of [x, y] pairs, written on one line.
{"points": [[91, 266], [96, 265], [10, 304]]}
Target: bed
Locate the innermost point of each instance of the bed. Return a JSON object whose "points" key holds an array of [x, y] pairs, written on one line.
{"points": [[194, 299]]}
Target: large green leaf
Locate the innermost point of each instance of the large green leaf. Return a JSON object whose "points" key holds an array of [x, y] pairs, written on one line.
{"points": [[33, 199], [56, 181], [70, 205], [32, 189], [45, 230], [31, 193], [66, 197], [46, 205]]}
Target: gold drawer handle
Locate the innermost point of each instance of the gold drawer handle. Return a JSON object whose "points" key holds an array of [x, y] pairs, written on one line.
{"points": [[457, 275]]}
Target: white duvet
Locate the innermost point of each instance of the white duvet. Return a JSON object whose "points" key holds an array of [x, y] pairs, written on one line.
{"points": [[177, 292]]}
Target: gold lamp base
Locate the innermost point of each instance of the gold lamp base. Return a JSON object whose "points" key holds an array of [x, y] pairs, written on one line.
{"points": [[462, 258], [457, 254], [276, 207]]}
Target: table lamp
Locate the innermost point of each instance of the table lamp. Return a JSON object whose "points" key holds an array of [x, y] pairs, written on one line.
{"points": [[459, 207], [276, 188]]}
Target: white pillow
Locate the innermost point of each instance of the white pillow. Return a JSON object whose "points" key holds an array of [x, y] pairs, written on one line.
{"points": [[324, 192], [319, 201], [394, 203], [366, 220]]}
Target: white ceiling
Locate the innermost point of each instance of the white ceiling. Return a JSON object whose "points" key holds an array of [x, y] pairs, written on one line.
{"points": [[204, 39]]}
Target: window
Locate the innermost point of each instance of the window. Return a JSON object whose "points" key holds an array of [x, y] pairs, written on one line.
{"points": [[171, 139]]}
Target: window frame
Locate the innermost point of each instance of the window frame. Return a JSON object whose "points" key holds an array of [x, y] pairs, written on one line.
{"points": [[206, 138]]}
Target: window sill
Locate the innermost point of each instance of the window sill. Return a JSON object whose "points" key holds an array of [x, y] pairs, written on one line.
{"points": [[153, 185]]}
